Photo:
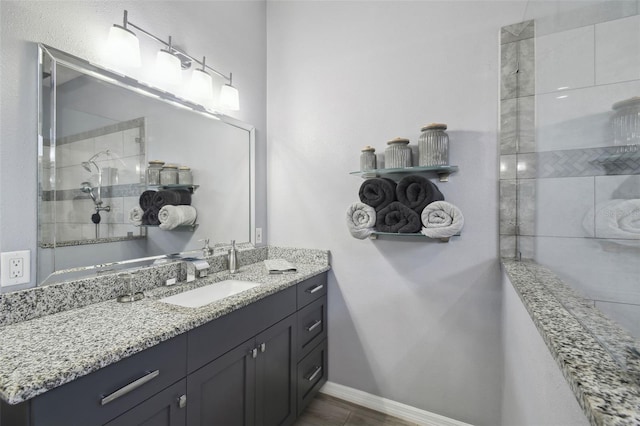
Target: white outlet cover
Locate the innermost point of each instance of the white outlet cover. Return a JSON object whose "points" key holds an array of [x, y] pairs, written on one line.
{"points": [[5, 267]]}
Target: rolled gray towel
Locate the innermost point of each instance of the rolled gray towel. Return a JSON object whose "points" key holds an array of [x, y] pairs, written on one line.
{"points": [[361, 220], [171, 217], [398, 218], [150, 216], [146, 199], [441, 220], [417, 192], [171, 197], [378, 192]]}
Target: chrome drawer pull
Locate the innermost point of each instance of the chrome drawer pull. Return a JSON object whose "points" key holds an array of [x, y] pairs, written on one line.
{"points": [[315, 373], [314, 325], [314, 289], [130, 387]]}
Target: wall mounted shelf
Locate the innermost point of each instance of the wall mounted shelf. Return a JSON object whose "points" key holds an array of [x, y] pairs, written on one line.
{"points": [[186, 228], [443, 172], [418, 235]]}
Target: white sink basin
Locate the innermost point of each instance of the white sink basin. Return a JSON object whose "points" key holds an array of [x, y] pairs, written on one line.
{"points": [[209, 293]]}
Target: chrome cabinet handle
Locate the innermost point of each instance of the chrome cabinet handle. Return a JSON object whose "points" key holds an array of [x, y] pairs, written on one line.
{"points": [[314, 325], [314, 289], [130, 387], [182, 401], [315, 373], [254, 352], [263, 347]]}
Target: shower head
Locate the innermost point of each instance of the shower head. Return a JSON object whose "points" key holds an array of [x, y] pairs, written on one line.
{"points": [[86, 166]]}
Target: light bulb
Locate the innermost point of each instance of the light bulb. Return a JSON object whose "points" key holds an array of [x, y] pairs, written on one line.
{"points": [[123, 48], [201, 88], [168, 67], [229, 98]]}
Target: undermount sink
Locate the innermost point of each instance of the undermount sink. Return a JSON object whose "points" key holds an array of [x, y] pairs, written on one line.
{"points": [[209, 293]]}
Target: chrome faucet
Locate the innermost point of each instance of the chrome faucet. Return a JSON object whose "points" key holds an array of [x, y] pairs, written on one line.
{"points": [[206, 250], [196, 268]]}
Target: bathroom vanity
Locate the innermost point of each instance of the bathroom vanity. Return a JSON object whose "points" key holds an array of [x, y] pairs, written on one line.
{"points": [[257, 357]]}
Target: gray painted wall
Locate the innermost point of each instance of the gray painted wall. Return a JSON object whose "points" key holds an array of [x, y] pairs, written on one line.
{"points": [[229, 33], [412, 321], [534, 390]]}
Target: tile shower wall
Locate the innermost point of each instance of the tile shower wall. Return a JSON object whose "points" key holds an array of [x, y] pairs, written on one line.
{"points": [[573, 168], [121, 177]]}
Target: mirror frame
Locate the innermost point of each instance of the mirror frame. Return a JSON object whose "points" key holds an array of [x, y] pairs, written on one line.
{"points": [[113, 77]]}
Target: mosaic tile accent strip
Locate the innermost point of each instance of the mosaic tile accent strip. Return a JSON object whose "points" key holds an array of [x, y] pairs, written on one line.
{"points": [[613, 160], [605, 383], [112, 128], [111, 191]]}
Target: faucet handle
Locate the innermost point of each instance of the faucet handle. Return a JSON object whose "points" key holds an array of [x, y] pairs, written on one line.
{"points": [[206, 250]]}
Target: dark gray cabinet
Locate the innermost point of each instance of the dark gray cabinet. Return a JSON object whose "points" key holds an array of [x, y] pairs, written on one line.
{"points": [[258, 365], [252, 384]]}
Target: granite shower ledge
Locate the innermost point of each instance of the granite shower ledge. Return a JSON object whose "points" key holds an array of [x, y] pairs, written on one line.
{"points": [[44, 353], [607, 394]]}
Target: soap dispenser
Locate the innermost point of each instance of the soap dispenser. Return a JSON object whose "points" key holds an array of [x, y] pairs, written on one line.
{"points": [[233, 258]]}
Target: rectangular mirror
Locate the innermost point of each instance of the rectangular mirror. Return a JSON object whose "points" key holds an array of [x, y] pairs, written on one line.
{"points": [[97, 132]]}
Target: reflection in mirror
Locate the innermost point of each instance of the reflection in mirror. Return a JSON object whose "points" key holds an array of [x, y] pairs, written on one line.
{"points": [[98, 131]]}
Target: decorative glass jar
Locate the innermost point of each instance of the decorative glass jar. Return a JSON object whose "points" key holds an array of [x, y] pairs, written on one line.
{"points": [[433, 145], [626, 121], [184, 175], [398, 154], [368, 158], [169, 175], [153, 172]]}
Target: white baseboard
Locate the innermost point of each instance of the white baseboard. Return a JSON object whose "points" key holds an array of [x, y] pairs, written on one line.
{"points": [[387, 406]]}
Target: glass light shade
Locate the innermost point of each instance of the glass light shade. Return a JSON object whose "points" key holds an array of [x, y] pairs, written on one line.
{"points": [[123, 48], [168, 67], [201, 89], [229, 98]]}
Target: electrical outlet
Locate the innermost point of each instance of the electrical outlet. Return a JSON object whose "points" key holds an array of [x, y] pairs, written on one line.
{"points": [[258, 235], [15, 267]]}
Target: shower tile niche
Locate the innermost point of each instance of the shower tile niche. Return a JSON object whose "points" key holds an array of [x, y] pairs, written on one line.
{"points": [[106, 163]]}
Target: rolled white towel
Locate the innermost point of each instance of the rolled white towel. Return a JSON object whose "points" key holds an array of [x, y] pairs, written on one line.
{"points": [[615, 219], [173, 216], [135, 216], [361, 220], [441, 220]]}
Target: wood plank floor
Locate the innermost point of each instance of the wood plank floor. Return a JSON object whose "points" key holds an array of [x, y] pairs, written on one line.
{"points": [[326, 410]]}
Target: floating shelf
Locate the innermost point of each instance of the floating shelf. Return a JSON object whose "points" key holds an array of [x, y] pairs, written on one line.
{"points": [[418, 235], [443, 172], [183, 228]]}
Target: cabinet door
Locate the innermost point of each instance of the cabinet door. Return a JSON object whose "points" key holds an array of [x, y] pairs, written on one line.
{"points": [[223, 391], [164, 409], [275, 374]]}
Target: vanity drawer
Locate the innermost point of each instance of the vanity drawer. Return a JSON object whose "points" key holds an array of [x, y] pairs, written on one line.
{"points": [[312, 289], [109, 392], [312, 326], [312, 374]]}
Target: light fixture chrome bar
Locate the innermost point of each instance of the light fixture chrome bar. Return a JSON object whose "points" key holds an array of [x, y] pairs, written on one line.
{"points": [[179, 51]]}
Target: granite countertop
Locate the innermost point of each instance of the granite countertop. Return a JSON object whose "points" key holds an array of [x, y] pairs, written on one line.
{"points": [[589, 348], [43, 353]]}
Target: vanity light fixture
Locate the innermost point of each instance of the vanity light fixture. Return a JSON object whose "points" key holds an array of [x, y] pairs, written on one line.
{"points": [[201, 88], [124, 50], [168, 66], [123, 47], [229, 98]]}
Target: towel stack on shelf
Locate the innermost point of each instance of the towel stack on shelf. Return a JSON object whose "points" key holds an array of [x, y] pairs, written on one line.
{"points": [[414, 204], [167, 209]]}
